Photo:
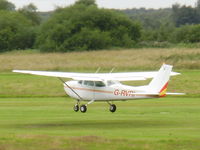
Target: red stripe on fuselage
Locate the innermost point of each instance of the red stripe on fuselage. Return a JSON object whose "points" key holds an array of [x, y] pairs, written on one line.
{"points": [[91, 90]]}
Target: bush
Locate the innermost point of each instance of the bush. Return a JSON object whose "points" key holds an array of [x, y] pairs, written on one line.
{"points": [[187, 34]]}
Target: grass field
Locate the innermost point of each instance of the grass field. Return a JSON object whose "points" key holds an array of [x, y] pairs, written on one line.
{"points": [[35, 113], [50, 123], [122, 60]]}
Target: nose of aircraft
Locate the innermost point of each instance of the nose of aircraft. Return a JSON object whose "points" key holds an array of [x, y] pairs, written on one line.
{"points": [[69, 83], [68, 87]]}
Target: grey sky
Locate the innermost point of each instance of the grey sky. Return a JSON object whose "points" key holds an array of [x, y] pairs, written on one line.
{"points": [[45, 5]]}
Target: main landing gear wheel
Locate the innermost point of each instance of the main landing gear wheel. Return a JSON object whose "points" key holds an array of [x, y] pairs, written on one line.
{"points": [[76, 108], [113, 108], [83, 108]]}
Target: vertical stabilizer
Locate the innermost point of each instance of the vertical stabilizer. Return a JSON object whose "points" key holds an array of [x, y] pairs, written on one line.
{"points": [[160, 82]]}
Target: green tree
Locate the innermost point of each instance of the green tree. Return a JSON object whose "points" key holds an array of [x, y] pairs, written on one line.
{"points": [[83, 27], [86, 2], [150, 18], [15, 31], [5, 5], [30, 12], [187, 34], [183, 15], [198, 4]]}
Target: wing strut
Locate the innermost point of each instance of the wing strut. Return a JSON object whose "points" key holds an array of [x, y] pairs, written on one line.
{"points": [[70, 88]]}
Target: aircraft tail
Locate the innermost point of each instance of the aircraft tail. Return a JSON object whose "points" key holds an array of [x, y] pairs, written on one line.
{"points": [[160, 82]]}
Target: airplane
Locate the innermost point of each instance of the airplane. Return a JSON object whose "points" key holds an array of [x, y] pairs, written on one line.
{"points": [[107, 87]]}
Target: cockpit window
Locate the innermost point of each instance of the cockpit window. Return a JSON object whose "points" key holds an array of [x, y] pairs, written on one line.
{"points": [[80, 82], [89, 83], [99, 84]]}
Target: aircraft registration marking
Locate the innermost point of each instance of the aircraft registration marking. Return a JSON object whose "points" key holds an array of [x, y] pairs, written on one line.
{"points": [[129, 93], [118, 92]]}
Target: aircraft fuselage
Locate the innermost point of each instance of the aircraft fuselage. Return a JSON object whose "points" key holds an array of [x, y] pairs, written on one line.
{"points": [[88, 90]]}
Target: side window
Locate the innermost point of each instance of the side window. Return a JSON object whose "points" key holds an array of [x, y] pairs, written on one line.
{"points": [[89, 83], [110, 83], [99, 84]]}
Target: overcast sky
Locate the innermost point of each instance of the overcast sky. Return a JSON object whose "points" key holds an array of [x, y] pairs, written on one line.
{"points": [[46, 5]]}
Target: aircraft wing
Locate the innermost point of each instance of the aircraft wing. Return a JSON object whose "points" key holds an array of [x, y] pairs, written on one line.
{"points": [[71, 75], [127, 76]]}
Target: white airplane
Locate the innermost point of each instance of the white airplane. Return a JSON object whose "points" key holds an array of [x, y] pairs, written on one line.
{"points": [[106, 87]]}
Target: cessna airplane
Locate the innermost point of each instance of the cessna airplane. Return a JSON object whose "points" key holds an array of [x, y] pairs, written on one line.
{"points": [[93, 87]]}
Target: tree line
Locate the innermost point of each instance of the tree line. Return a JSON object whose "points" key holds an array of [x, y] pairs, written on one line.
{"points": [[18, 28], [84, 26], [169, 26]]}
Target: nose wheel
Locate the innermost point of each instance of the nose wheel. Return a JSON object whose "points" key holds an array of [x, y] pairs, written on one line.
{"points": [[83, 108], [76, 108], [113, 107]]}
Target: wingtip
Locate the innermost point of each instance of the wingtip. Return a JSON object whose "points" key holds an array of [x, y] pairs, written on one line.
{"points": [[18, 71]]}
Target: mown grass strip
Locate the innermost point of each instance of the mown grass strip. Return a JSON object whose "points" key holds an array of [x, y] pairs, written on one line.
{"points": [[50, 123]]}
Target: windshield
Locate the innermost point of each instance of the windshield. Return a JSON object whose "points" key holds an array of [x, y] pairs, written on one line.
{"points": [[109, 83]]}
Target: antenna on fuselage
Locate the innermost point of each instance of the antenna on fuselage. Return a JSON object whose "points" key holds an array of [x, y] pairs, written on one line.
{"points": [[98, 69], [112, 70]]}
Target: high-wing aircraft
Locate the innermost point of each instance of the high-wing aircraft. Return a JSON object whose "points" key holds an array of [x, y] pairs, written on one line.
{"points": [[93, 87]]}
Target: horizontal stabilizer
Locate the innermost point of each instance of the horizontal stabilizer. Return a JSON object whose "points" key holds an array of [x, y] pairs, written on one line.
{"points": [[158, 94], [150, 94], [175, 93]]}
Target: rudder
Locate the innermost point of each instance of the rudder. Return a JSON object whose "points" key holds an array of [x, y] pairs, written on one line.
{"points": [[160, 82]]}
